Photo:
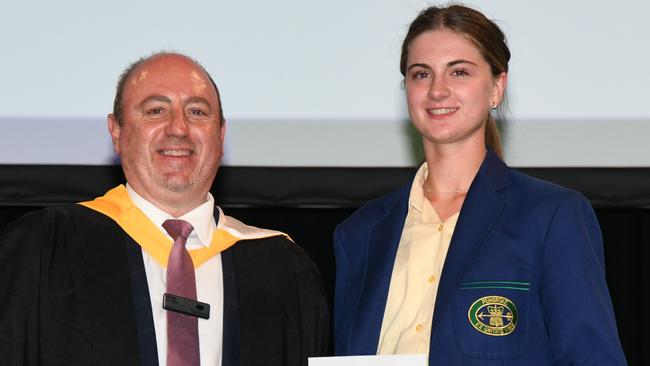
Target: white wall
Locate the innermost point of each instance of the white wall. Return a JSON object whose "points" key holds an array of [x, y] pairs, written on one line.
{"points": [[317, 83]]}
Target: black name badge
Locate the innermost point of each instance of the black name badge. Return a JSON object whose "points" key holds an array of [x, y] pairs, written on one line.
{"points": [[186, 306]]}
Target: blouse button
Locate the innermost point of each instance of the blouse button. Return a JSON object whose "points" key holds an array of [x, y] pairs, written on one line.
{"points": [[440, 227], [431, 279], [418, 327]]}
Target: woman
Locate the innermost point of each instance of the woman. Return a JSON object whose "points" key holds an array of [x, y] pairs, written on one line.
{"points": [[523, 277]]}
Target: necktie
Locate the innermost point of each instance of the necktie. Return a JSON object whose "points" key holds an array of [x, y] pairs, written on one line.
{"points": [[182, 330]]}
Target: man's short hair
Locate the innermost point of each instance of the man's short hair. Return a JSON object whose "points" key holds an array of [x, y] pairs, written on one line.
{"points": [[128, 71]]}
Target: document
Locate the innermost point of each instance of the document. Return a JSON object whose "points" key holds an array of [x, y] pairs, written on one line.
{"points": [[383, 360]]}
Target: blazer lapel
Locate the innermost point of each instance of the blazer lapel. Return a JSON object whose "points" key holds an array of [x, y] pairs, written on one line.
{"points": [[381, 248], [481, 209]]}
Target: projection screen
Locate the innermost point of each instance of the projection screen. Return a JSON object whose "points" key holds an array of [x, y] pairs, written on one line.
{"points": [[316, 83]]}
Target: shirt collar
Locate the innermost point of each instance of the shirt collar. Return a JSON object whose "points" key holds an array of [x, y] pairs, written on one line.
{"points": [[416, 197], [419, 203], [201, 218]]}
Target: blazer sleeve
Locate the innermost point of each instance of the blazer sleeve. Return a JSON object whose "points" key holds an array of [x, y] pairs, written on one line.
{"points": [[342, 267], [577, 308], [341, 311]]}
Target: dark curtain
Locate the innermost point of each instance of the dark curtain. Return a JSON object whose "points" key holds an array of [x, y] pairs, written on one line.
{"points": [[626, 233]]}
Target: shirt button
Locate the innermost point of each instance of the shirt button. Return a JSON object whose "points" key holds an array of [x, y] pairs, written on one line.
{"points": [[431, 279], [418, 327], [440, 227]]}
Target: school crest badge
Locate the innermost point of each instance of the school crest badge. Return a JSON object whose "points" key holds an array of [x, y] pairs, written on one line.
{"points": [[493, 315]]}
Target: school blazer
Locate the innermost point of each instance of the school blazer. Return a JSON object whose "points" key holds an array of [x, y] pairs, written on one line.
{"points": [[523, 282]]}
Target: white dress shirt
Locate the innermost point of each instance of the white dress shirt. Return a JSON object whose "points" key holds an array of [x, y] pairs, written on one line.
{"points": [[209, 279]]}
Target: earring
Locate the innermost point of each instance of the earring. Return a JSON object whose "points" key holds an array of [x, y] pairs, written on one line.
{"points": [[494, 105]]}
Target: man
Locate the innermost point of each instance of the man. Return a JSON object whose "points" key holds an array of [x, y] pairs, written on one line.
{"points": [[85, 284]]}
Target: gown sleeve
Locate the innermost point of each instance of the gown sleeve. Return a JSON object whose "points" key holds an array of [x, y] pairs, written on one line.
{"points": [[306, 311], [20, 274]]}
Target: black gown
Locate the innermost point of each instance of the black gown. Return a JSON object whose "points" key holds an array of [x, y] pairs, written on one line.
{"points": [[73, 291]]}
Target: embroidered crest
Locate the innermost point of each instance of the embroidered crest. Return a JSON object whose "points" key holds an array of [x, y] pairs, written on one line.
{"points": [[493, 315]]}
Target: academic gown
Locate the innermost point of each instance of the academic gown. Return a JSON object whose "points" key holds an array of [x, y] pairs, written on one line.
{"points": [[523, 282], [73, 291]]}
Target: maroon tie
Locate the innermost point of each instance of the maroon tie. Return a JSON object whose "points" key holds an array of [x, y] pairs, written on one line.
{"points": [[182, 330]]}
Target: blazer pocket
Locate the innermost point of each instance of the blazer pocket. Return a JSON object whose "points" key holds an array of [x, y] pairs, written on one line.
{"points": [[490, 318]]}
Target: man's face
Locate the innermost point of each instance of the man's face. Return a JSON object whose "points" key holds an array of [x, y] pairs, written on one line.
{"points": [[170, 138]]}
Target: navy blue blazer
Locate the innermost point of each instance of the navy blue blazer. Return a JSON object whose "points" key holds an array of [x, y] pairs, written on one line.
{"points": [[523, 282]]}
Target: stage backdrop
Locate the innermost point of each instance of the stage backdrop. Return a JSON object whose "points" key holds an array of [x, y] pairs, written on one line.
{"points": [[316, 83]]}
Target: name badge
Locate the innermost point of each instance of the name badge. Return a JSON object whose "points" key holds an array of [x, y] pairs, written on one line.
{"points": [[186, 306]]}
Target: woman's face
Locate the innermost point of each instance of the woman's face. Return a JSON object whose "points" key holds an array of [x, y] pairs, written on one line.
{"points": [[450, 88]]}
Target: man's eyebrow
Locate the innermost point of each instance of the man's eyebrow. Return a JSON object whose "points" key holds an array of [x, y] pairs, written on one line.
{"points": [[155, 98], [195, 99]]}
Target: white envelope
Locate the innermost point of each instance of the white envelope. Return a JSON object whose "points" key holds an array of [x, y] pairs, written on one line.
{"points": [[384, 360]]}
